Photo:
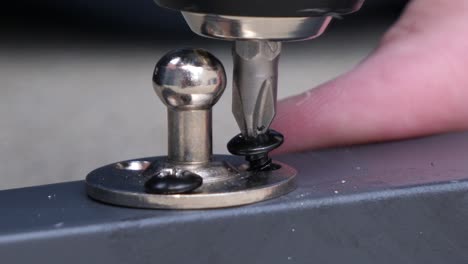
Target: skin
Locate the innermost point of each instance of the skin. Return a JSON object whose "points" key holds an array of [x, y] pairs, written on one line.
{"points": [[414, 84]]}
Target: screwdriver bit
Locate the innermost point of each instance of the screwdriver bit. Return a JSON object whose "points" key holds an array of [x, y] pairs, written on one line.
{"points": [[255, 85]]}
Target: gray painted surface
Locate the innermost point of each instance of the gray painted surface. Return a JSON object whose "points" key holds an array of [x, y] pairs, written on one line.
{"points": [[399, 202]]}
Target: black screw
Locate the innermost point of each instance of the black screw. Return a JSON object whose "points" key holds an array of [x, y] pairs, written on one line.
{"points": [[256, 149], [173, 183]]}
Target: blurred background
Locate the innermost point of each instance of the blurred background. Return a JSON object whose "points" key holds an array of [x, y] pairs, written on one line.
{"points": [[75, 80]]}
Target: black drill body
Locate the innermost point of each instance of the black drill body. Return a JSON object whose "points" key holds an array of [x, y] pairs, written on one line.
{"points": [[264, 8]]}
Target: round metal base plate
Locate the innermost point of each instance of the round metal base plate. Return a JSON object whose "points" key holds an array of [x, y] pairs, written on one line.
{"points": [[122, 184]]}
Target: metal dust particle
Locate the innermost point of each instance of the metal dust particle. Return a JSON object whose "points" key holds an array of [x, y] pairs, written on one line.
{"points": [[300, 195], [336, 192], [343, 181]]}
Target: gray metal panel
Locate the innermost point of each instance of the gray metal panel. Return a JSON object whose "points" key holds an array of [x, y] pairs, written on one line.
{"points": [[400, 202]]}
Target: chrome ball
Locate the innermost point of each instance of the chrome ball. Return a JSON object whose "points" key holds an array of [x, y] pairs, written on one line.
{"points": [[189, 79]]}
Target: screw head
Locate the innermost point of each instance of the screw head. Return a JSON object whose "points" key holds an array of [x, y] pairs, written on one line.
{"points": [[189, 79], [173, 182]]}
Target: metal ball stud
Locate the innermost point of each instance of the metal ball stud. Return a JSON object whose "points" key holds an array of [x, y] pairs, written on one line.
{"points": [[189, 82], [189, 79]]}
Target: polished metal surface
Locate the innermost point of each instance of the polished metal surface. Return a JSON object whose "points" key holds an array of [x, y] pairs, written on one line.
{"points": [[267, 28], [189, 79], [254, 88], [110, 184], [189, 82], [189, 136]]}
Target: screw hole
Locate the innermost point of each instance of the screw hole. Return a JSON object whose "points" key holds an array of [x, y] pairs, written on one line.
{"points": [[134, 165]]}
